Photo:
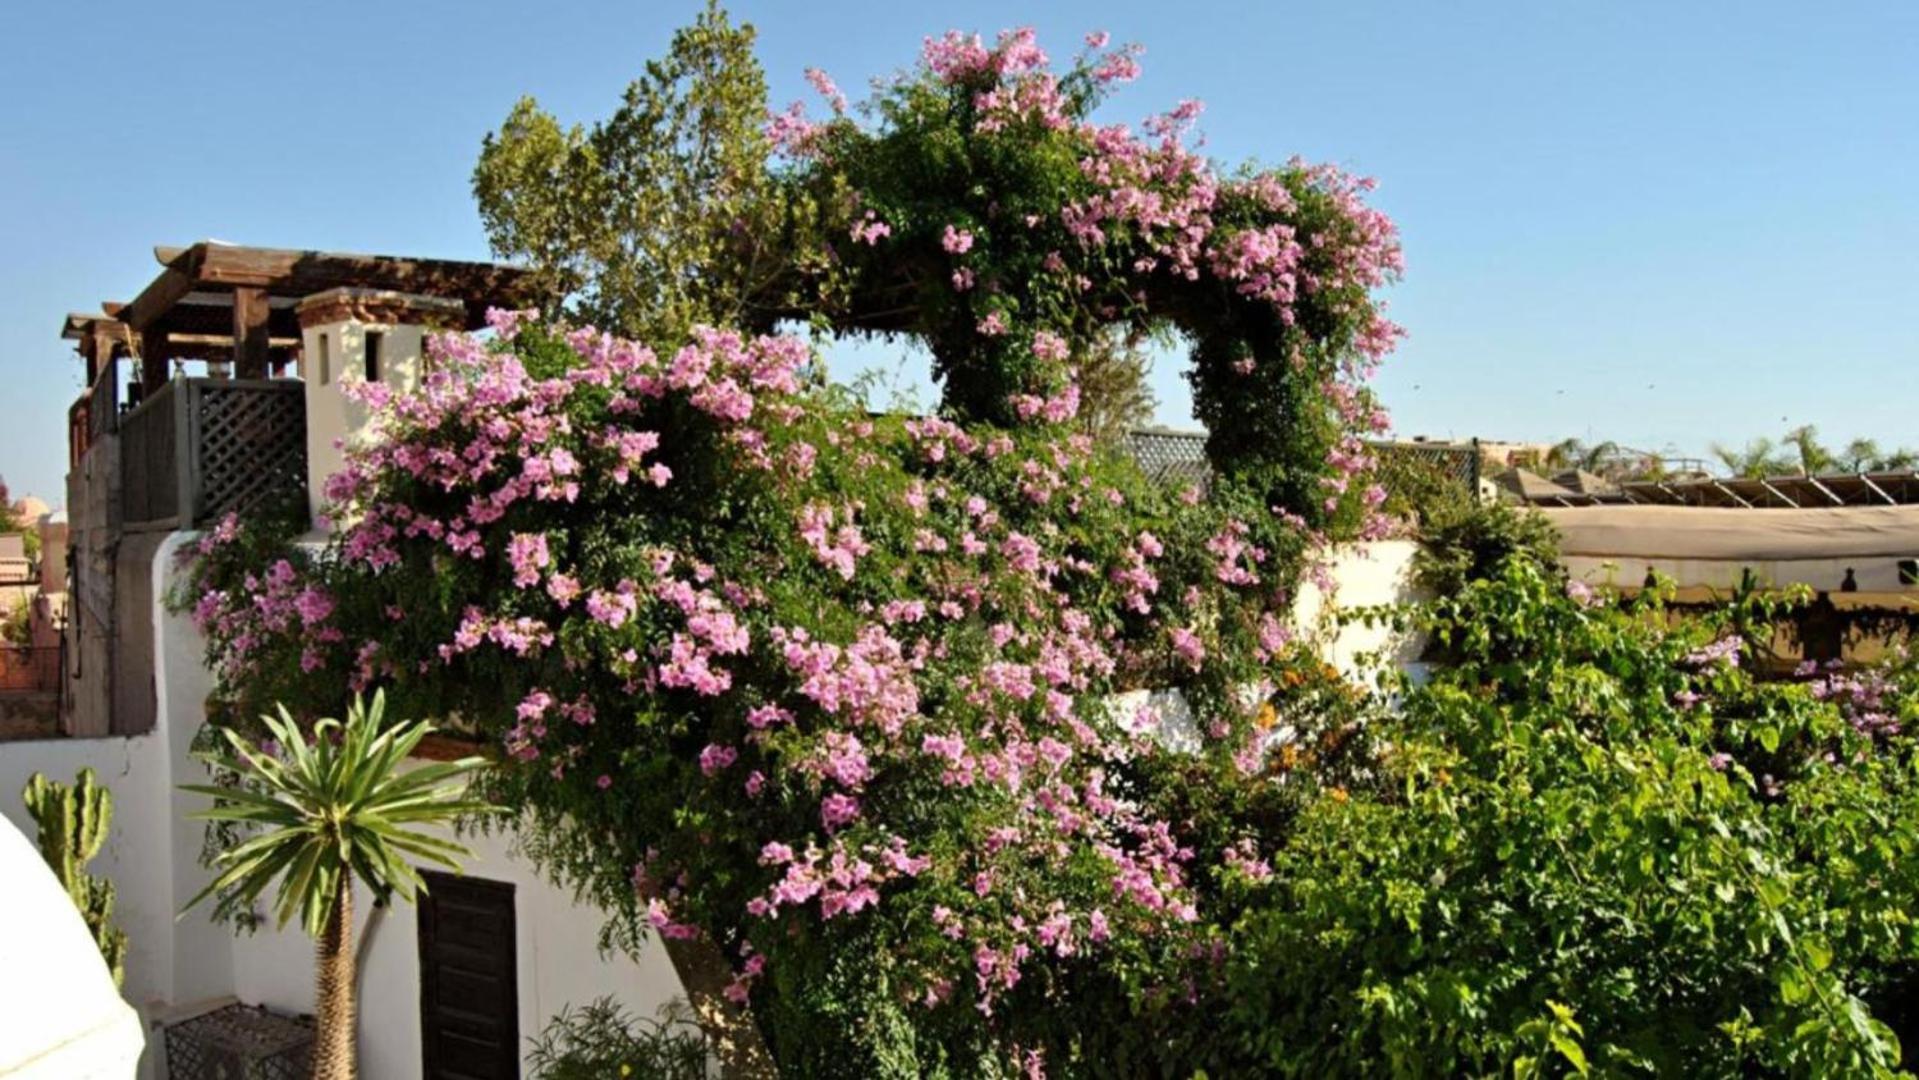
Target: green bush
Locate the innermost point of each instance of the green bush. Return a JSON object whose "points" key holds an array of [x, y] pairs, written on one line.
{"points": [[1463, 541], [1594, 842], [603, 1040]]}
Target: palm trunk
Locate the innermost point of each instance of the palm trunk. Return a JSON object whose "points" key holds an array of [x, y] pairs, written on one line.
{"points": [[333, 1052]]}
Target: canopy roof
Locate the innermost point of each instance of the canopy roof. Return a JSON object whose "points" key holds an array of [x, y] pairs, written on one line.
{"points": [[218, 301], [1685, 532], [1533, 487], [194, 293], [1772, 492]]}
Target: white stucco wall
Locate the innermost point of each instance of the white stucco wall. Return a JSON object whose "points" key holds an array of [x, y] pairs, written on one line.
{"points": [[151, 851], [1363, 576], [331, 417], [138, 851]]}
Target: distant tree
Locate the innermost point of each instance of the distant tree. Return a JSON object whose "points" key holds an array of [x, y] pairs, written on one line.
{"points": [[1758, 459], [1651, 467], [1800, 451], [1864, 455], [667, 215], [1814, 458], [1114, 396], [1576, 454], [659, 218]]}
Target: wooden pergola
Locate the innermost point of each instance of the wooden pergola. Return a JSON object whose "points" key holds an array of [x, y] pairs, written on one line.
{"points": [[220, 302]]}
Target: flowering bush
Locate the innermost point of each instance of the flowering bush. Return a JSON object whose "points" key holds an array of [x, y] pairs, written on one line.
{"points": [[983, 209], [846, 698], [834, 693], [842, 697]]}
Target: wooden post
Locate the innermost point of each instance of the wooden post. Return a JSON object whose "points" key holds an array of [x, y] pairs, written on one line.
{"points": [[155, 353], [90, 351], [249, 333]]}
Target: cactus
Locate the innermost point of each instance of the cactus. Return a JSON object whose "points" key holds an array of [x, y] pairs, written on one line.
{"points": [[73, 825]]}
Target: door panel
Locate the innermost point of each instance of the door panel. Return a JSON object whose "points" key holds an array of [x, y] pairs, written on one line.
{"points": [[469, 980]]}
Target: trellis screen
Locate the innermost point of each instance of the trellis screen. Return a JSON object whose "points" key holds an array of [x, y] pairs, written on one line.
{"points": [[251, 443], [198, 448], [1409, 468]]}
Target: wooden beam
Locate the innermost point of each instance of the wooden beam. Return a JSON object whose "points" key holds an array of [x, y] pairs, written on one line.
{"points": [[250, 333], [157, 298], [1731, 494], [1826, 491], [303, 273], [1780, 495], [103, 340], [156, 353], [1877, 490], [193, 318], [298, 274]]}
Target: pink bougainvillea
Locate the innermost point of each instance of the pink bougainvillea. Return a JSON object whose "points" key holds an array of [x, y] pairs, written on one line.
{"points": [[758, 662]]}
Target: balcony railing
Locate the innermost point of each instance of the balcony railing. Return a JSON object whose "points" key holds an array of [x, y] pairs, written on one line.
{"points": [[197, 448]]}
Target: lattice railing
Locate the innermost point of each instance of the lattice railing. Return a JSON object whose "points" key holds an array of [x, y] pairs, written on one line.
{"points": [[1415, 469], [250, 442], [198, 448], [1407, 468]]}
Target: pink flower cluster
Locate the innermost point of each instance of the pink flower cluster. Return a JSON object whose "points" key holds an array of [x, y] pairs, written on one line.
{"points": [[838, 548]]}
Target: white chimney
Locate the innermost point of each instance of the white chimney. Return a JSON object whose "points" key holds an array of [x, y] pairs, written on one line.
{"points": [[354, 336]]}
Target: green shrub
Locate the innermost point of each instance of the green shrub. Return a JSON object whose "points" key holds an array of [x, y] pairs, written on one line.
{"points": [[603, 1040], [1467, 541], [1595, 842]]}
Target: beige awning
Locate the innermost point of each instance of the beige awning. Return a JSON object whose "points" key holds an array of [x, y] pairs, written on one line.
{"points": [[1736, 534]]}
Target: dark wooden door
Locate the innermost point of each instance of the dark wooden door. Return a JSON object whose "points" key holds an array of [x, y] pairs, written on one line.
{"points": [[469, 980]]}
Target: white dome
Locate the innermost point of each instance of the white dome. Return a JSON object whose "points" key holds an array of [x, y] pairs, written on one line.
{"points": [[64, 1019]]}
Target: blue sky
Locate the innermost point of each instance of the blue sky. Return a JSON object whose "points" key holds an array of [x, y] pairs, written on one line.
{"points": [[1659, 223]]}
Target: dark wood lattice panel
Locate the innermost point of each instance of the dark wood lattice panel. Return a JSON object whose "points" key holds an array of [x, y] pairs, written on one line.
{"points": [[252, 445]]}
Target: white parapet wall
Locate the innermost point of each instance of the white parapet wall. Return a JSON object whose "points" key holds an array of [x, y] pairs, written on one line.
{"points": [[1361, 576]]}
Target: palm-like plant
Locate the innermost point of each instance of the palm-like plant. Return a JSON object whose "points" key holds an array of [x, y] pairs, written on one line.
{"points": [[1757, 460], [327, 809]]}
